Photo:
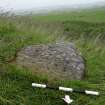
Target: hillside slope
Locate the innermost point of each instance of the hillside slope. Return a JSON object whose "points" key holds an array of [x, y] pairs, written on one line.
{"points": [[85, 29]]}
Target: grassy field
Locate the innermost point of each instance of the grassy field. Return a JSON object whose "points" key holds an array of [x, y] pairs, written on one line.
{"points": [[85, 28], [92, 15]]}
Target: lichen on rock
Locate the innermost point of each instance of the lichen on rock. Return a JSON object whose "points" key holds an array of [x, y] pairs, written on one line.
{"points": [[58, 60]]}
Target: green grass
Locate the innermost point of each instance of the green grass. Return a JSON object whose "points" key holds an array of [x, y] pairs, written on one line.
{"points": [[85, 28], [92, 15]]}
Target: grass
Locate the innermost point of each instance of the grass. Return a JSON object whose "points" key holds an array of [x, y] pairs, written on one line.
{"points": [[85, 28], [92, 15]]}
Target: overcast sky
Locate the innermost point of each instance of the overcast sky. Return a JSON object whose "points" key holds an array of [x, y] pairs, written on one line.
{"points": [[38, 4]]}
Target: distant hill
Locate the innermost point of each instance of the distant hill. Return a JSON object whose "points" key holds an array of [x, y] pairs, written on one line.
{"points": [[62, 8]]}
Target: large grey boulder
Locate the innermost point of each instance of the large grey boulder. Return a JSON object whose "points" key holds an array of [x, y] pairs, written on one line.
{"points": [[59, 60]]}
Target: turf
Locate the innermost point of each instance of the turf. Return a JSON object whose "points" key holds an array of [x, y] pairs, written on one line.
{"points": [[92, 15], [85, 28]]}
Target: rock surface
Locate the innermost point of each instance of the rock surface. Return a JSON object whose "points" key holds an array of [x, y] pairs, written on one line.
{"points": [[59, 60]]}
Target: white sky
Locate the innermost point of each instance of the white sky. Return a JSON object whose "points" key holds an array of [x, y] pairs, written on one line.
{"points": [[38, 4]]}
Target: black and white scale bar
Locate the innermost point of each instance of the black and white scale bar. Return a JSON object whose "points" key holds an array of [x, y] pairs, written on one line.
{"points": [[65, 89]]}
